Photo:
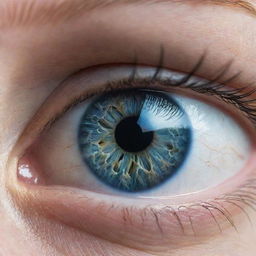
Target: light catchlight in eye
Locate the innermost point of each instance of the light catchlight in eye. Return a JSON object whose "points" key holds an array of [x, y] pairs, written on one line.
{"points": [[186, 145]]}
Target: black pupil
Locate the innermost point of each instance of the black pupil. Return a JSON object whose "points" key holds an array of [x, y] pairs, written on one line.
{"points": [[130, 137]]}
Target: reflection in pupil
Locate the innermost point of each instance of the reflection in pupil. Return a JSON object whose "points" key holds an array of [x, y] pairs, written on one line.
{"points": [[130, 136]]}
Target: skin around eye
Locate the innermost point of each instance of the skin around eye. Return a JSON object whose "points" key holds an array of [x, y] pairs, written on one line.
{"points": [[64, 182], [112, 36]]}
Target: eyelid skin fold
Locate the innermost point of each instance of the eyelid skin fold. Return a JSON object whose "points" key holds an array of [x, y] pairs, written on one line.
{"points": [[178, 220]]}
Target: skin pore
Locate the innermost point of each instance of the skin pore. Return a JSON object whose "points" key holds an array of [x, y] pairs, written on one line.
{"points": [[43, 45]]}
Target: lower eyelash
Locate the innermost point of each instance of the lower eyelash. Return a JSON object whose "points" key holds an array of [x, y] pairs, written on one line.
{"points": [[241, 199], [174, 225], [188, 217], [181, 216]]}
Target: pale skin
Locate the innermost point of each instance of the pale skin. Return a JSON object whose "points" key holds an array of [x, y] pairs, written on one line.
{"points": [[37, 56]]}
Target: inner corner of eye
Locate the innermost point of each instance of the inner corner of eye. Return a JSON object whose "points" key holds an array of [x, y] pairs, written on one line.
{"points": [[28, 171]]}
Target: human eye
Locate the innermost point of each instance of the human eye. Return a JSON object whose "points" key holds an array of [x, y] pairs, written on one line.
{"points": [[144, 145], [134, 128], [139, 135]]}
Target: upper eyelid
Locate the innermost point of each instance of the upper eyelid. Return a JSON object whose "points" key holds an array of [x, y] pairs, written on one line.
{"points": [[70, 93], [215, 84]]}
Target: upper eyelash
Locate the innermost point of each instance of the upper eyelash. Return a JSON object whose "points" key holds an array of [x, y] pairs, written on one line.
{"points": [[237, 97]]}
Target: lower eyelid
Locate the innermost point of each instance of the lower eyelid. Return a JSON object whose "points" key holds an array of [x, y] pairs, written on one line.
{"points": [[151, 227], [143, 223], [168, 222]]}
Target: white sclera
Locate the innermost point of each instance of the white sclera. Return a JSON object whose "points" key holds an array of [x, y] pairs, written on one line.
{"points": [[220, 149]]}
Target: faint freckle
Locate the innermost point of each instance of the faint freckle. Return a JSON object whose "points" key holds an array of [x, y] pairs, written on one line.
{"points": [[26, 175]]}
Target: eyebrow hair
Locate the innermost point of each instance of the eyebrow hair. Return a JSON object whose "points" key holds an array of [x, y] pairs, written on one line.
{"points": [[33, 12]]}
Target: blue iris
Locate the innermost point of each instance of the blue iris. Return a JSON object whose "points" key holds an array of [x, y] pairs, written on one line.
{"points": [[134, 140]]}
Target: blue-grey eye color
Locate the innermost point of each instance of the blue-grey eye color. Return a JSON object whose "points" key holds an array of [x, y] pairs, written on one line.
{"points": [[134, 140]]}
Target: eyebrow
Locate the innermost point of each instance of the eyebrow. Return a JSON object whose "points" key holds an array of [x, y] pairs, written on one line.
{"points": [[31, 12]]}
